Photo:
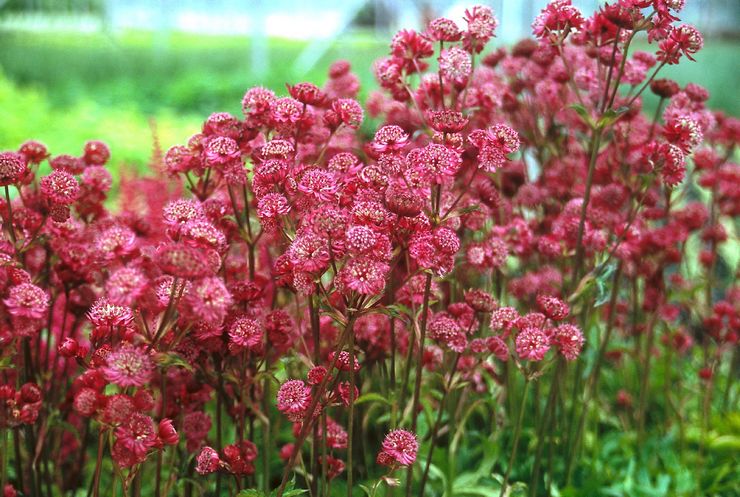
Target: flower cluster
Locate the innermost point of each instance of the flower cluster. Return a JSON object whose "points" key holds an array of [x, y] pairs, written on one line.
{"points": [[284, 280]]}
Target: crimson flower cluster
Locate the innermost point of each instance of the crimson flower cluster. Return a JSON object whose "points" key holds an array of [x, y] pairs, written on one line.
{"points": [[299, 286]]}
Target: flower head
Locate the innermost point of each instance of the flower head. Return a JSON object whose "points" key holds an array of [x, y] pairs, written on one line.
{"points": [[399, 448], [129, 366]]}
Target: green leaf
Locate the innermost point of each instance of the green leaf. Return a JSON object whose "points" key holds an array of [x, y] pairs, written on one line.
{"points": [[611, 116], [251, 493], [583, 113], [372, 397], [170, 359], [603, 280]]}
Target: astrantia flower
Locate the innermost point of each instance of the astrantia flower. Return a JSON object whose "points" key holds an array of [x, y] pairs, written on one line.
{"points": [[442, 29], [207, 461], [12, 167], [167, 433], [129, 366], [434, 162], [307, 93], [221, 150], [137, 434], [532, 344], [240, 457], [96, 153], [447, 121], [348, 112], [455, 65], [558, 15], [410, 47], [481, 25], [553, 307], [246, 333], [115, 242], [60, 187], [363, 275], [390, 138], [285, 111], [569, 340], [399, 448], [480, 300], [257, 101], [104, 315], [684, 132], [684, 39], [498, 347], [33, 152], [493, 145], [27, 301], [209, 299], [294, 399], [182, 261]]}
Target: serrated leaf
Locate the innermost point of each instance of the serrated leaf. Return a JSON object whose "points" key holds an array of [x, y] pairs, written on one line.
{"points": [[251, 493]]}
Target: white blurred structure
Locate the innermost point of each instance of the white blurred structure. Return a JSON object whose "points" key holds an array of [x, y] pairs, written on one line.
{"points": [[316, 21]]}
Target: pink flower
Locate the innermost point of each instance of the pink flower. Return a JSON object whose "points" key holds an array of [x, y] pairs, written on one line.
{"points": [[364, 276], [569, 340], [137, 434], [532, 344], [493, 145], [399, 448], [207, 461], [553, 307], [60, 187], [96, 153], [128, 366], [434, 162], [558, 15], [389, 139], [106, 316], [294, 399], [167, 433], [12, 167], [246, 333], [27, 301]]}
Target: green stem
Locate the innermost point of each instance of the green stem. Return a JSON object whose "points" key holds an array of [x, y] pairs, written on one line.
{"points": [[316, 395], [594, 152], [437, 424], [11, 229], [351, 421], [419, 367], [517, 434], [98, 463]]}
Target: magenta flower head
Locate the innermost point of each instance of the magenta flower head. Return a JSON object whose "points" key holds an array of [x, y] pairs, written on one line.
{"points": [[96, 153], [208, 461], [137, 434], [167, 433], [128, 366], [532, 344], [12, 167], [60, 187], [399, 449], [27, 301], [34, 152], [569, 340], [294, 399]]}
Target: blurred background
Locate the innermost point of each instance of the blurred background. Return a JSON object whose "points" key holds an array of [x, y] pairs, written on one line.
{"points": [[74, 70]]}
